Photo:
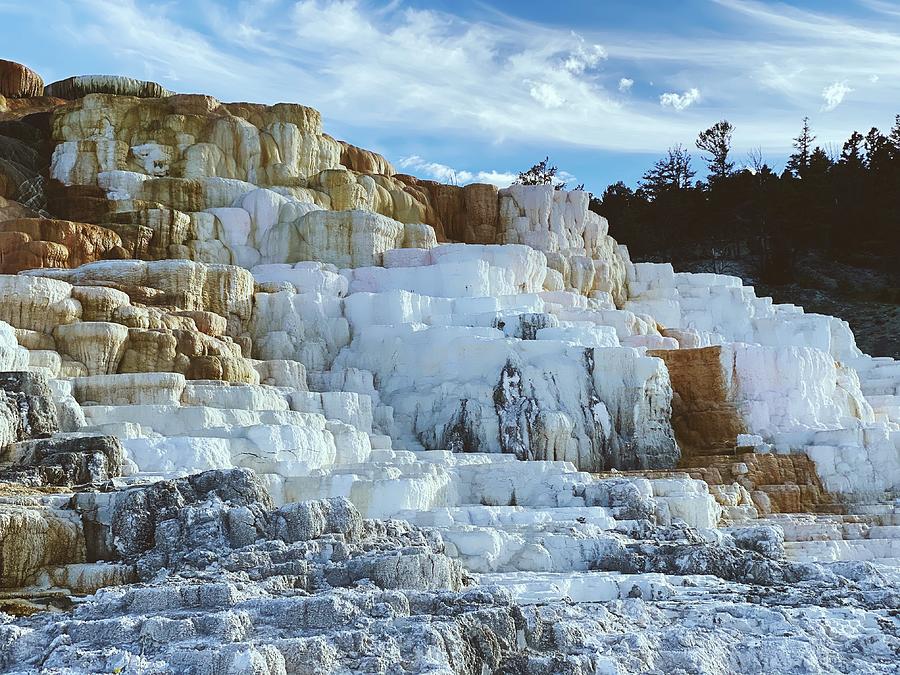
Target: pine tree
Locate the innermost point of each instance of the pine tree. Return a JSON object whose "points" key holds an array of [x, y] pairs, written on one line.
{"points": [[894, 138], [541, 174], [877, 148], [716, 142], [672, 172], [852, 152], [798, 162]]}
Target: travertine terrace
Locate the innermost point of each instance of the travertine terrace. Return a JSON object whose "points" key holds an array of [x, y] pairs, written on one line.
{"points": [[268, 406]]}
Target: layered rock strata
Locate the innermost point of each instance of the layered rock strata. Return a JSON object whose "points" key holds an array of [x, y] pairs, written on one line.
{"points": [[18, 81]]}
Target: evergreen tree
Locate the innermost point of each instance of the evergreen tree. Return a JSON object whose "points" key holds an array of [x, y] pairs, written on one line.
{"points": [[798, 162], [877, 149], [843, 204], [852, 152], [716, 142], [617, 197], [819, 163], [672, 172], [894, 138], [541, 174]]}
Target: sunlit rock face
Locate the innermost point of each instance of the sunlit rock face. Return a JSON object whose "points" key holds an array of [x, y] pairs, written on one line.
{"points": [[267, 406], [18, 81], [575, 239], [27, 243]]}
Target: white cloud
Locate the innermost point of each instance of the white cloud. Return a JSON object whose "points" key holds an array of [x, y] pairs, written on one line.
{"points": [[680, 101], [625, 84], [375, 66], [565, 177], [873, 79], [447, 174], [499, 178], [584, 56], [546, 95], [834, 94], [379, 69]]}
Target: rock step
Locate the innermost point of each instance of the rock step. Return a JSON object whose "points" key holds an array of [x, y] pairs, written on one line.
{"points": [[508, 517], [532, 588], [554, 547], [700, 456], [879, 386], [701, 461], [878, 509], [819, 551], [202, 420], [836, 531], [874, 519]]}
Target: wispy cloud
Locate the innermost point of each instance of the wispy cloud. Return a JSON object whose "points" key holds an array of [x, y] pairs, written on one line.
{"points": [[447, 174], [680, 101], [387, 66], [395, 69]]}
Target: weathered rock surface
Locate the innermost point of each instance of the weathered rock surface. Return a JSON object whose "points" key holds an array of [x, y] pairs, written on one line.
{"points": [[313, 585], [18, 81], [64, 462], [27, 243], [29, 403], [364, 161], [24, 159], [81, 86], [705, 416]]}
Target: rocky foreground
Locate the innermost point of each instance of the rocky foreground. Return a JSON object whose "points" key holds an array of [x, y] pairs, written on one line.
{"points": [[268, 406]]}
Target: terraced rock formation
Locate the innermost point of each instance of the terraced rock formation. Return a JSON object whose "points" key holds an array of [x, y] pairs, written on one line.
{"points": [[267, 406]]}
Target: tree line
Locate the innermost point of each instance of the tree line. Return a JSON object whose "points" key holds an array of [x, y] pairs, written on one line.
{"points": [[845, 205]]}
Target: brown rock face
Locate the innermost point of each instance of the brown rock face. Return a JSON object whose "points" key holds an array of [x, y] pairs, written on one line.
{"points": [[775, 483], [24, 160], [130, 317], [82, 203], [479, 220], [17, 108], [703, 418], [27, 243], [449, 204], [18, 81], [10, 209], [12, 176], [706, 425], [364, 161], [469, 213]]}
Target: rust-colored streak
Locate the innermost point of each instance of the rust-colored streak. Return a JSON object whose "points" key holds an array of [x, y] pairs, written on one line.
{"points": [[707, 422]]}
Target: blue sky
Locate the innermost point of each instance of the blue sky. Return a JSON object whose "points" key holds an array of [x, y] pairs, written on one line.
{"points": [[462, 90]]}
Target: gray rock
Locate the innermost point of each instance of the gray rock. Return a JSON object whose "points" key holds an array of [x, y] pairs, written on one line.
{"points": [[29, 402], [79, 86], [767, 540], [423, 571], [139, 511], [729, 563], [309, 520], [622, 496], [65, 462]]}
